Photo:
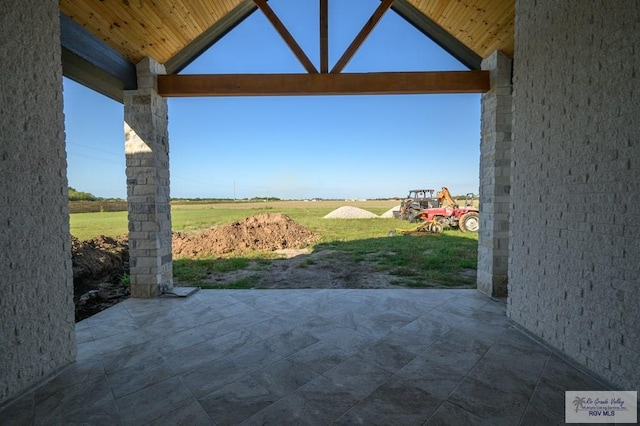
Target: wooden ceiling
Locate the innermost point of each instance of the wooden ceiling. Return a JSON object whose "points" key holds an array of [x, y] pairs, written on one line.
{"points": [[141, 28], [484, 26], [162, 29]]}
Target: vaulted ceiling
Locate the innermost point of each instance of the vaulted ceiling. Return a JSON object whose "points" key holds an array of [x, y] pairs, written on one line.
{"points": [[109, 36]]}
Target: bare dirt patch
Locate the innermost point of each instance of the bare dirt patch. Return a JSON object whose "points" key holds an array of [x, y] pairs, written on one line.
{"points": [[99, 267], [304, 269]]}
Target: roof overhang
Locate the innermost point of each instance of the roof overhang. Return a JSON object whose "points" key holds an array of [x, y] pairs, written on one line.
{"points": [[102, 42], [89, 61], [436, 33]]}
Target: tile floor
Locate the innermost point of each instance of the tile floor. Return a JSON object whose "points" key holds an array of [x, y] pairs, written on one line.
{"points": [[305, 357]]}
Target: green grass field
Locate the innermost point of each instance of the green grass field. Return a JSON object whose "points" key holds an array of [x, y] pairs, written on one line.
{"points": [[439, 259], [194, 217]]}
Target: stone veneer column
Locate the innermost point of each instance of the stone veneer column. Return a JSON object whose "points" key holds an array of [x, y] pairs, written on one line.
{"points": [[37, 327], [147, 151], [495, 174]]}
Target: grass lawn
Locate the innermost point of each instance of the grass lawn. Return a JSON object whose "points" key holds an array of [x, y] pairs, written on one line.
{"points": [[434, 258], [89, 225]]}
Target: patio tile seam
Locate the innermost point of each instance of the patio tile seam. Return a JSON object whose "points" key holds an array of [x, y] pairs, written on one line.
{"points": [[292, 408], [179, 407], [542, 370], [426, 423], [563, 357], [122, 422], [453, 390], [16, 401], [186, 402], [142, 408], [356, 388], [248, 375]]}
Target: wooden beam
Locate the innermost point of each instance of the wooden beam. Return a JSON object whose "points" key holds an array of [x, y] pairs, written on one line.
{"points": [[286, 35], [92, 63], [324, 36], [362, 36], [400, 83]]}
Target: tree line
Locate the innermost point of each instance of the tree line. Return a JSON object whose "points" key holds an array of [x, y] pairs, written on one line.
{"points": [[75, 195]]}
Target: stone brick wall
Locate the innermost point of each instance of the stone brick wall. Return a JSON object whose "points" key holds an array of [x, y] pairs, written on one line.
{"points": [[149, 202], [574, 267], [37, 332], [495, 173]]}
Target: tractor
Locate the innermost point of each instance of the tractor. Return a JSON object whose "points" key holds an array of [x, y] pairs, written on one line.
{"points": [[450, 214], [416, 201]]}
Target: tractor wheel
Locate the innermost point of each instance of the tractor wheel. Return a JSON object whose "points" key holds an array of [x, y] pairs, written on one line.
{"points": [[444, 223], [437, 228], [469, 222], [413, 216]]}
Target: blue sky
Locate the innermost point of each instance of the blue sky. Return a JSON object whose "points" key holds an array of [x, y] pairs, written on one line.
{"points": [[295, 147]]}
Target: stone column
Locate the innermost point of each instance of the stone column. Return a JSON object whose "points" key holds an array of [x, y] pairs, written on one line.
{"points": [[495, 175], [147, 151], [37, 327]]}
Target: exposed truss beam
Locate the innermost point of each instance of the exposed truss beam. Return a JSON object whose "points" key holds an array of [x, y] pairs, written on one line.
{"points": [[324, 36], [207, 39], [362, 36], [286, 36], [436, 33], [323, 84], [89, 61]]}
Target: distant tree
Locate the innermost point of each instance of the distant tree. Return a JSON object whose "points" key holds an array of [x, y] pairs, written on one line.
{"points": [[464, 197], [75, 195], [265, 199]]}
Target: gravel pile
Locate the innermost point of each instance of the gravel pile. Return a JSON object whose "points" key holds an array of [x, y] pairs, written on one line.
{"points": [[348, 212], [389, 213]]}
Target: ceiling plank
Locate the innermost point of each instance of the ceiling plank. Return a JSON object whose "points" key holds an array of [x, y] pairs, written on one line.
{"points": [[128, 30], [324, 36], [436, 33], [443, 82], [204, 41], [499, 35], [286, 36], [89, 61], [162, 28], [362, 36]]}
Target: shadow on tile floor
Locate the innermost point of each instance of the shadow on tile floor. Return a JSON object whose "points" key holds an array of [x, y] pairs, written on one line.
{"points": [[305, 357]]}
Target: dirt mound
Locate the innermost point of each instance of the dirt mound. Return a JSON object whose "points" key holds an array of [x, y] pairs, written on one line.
{"points": [[349, 212], [99, 264], [265, 231], [98, 258]]}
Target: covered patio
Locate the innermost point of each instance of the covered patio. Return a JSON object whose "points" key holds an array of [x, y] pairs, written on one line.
{"points": [[558, 147], [410, 357]]}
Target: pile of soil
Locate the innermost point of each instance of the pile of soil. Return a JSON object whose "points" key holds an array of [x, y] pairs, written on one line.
{"points": [[99, 265], [262, 232]]}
